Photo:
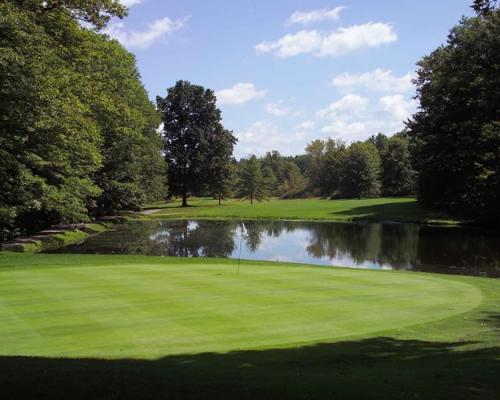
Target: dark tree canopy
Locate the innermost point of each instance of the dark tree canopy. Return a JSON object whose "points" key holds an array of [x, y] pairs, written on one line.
{"points": [[483, 7], [193, 136], [456, 132]]}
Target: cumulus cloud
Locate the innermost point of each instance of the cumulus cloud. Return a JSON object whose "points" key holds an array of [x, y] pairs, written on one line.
{"points": [[263, 136], [305, 126], [277, 109], [156, 30], [239, 94], [379, 79], [346, 106], [397, 106], [345, 129], [340, 42], [354, 117], [130, 3], [307, 17]]}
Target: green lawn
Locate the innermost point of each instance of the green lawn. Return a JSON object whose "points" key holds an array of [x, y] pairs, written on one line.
{"points": [[404, 209], [127, 326]]}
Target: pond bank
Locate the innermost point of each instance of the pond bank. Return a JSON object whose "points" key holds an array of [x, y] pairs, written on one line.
{"points": [[396, 209], [55, 238]]}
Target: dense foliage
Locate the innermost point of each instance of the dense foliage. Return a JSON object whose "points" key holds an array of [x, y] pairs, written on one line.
{"points": [[197, 148], [456, 133], [70, 149], [251, 183]]}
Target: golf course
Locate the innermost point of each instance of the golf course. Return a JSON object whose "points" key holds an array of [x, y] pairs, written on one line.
{"points": [[401, 209], [100, 326]]}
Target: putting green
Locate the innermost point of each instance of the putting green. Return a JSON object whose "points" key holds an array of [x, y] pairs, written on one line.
{"points": [[148, 307]]}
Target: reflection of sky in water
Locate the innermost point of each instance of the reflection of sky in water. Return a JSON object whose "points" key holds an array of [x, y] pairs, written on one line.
{"points": [[357, 245], [164, 235], [292, 246]]}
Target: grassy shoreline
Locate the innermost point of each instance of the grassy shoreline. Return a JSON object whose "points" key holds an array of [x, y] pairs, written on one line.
{"points": [[135, 326], [401, 209], [53, 239]]}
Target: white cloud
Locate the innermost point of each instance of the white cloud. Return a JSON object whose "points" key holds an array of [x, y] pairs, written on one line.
{"points": [[306, 17], [339, 42], [239, 94], [263, 136], [305, 126], [277, 109], [353, 117], [377, 80], [155, 31], [345, 129], [130, 3], [396, 105], [348, 105]]}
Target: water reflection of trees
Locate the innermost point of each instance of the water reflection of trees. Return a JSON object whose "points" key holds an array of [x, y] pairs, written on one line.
{"points": [[401, 246], [256, 229], [390, 244], [197, 239], [459, 250]]}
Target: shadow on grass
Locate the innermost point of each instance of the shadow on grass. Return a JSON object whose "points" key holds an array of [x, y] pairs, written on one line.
{"points": [[406, 211], [376, 368]]}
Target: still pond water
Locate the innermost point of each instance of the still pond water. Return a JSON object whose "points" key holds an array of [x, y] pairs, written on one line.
{"points": [[359, 245]]}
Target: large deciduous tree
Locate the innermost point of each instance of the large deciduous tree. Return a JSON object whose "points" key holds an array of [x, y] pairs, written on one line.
{"points": [[75, 121], [195, 144], [456, 132]]}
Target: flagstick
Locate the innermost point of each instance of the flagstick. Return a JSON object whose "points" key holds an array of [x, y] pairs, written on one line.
{"points": [[239, 256], [242, 229]]}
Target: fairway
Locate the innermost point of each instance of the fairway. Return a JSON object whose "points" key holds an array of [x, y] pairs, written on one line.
{"points": [[136, 307], [403, 209]]}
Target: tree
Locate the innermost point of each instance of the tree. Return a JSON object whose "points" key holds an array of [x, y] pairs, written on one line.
{"points": [[273, 166], [398, 174], [456, 133], [251, 184], [483, 7], [293, 182], [70, 149], [192, 134], [361, 171], [220, 167], [326, 166], [49, 142], [95, 12]]}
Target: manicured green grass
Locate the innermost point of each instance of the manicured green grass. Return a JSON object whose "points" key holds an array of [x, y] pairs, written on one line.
{"points": [[127, 326], [404, 209]]}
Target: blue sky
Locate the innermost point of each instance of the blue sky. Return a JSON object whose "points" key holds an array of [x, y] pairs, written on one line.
{"points": [[287, 71]]}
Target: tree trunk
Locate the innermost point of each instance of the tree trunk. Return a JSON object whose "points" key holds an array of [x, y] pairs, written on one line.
{"points": [[251, 199], [184, 191], [219, 200]]}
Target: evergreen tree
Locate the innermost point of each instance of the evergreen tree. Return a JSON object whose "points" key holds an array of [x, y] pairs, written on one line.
{"points": [[251, 184]]}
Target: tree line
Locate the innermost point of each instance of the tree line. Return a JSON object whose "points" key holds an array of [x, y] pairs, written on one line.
{"points": [[380, 166], [79, 136], [77, 131]]}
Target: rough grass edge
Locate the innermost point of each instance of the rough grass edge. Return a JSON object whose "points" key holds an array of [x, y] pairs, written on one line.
{"points": [[56, 240]]}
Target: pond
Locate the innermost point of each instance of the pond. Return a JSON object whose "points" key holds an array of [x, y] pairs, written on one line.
{"points": [[455, 250]]}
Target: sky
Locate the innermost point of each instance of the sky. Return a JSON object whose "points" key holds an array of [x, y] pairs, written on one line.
{"points": [[286, 72]]}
